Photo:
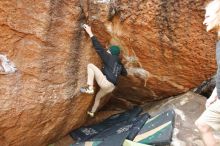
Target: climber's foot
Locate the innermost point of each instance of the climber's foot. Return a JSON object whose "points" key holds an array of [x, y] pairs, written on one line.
{"points": [[91, 114], [87, 90]]}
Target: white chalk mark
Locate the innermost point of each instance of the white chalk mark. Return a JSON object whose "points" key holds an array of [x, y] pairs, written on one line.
{"points": [[103, 1], [6, 66], [175, 140], [184, 101], [180, 113]]}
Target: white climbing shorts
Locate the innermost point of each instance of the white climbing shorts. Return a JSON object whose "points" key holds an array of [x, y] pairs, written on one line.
{"points": [[211, 116]]}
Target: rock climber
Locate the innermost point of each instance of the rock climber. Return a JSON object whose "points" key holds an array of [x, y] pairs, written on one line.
{"points": [[108, 78]]}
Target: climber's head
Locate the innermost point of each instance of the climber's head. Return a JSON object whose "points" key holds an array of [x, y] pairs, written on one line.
{"points": [[114, 50], [212, 15]]}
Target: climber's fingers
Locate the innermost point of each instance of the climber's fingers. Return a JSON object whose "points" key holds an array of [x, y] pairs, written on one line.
{"points": [[86, 27], [82, 25]]}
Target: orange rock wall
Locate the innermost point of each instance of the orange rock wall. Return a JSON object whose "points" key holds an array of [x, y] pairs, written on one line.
{"points": [[40, 102], [165, 48], [169, 42]]}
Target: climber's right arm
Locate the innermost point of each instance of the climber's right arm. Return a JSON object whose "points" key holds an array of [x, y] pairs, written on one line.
{"points": [[99, 49], [97, 45], [88, 30]]}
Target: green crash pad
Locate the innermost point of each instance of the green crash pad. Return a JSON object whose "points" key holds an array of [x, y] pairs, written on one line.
{"points": [[157, 130], [131, 143], [88, 143]]}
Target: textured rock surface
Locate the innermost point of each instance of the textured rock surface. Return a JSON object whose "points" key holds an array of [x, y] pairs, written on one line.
{"points": [[165, 48], [40, 102], [168, 40]]}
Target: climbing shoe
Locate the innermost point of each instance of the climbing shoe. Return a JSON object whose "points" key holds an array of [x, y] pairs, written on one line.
{"points": [[91, 114], [87, 90]]}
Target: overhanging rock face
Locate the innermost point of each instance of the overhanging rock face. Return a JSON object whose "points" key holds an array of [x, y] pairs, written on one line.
{"points": [[165, 48]]}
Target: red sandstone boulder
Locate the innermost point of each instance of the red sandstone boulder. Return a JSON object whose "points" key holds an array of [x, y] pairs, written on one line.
{"points": [[165, 48]]}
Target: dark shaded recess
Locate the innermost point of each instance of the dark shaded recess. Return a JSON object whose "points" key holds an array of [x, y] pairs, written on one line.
{"points": [[206, 88]]}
